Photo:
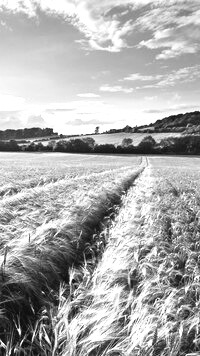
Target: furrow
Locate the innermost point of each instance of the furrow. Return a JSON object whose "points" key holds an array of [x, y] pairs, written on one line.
{"points": [[31, 273]]}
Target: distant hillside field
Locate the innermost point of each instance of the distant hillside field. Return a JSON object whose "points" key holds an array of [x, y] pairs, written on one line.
{"points": [[116, 138]]}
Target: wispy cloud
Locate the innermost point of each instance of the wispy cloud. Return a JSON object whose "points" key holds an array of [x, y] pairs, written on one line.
{"points": [[10, 121], [88, 95], [173, 26], [180, 76], [80, 122], [52, 111], [35, 120], [141, 77], [151, 98], [175, 45], [115, 89], [101, 31], [172, 109]]}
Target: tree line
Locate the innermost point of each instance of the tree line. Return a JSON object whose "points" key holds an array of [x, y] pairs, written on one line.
{"points": [[171, 145], [33, 132]]}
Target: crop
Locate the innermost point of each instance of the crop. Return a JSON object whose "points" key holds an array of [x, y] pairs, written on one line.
{"points": [[105, 262], [46, 230], [143, 297]]}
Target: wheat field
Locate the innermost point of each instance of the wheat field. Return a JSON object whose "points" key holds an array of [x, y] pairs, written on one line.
{"points": [[99, 255]]}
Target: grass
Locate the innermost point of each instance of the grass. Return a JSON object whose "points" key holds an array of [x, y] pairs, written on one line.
{"points": [[103, 263]]}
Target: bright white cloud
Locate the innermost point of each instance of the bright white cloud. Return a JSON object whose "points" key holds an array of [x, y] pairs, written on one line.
{"points": [[174, 24], [175, 46], [115, 89], [175, 28], [88, 95], [26, 6], [140, 77]]}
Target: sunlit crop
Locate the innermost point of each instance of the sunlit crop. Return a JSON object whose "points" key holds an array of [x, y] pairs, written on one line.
{"points": [[103, 259]]}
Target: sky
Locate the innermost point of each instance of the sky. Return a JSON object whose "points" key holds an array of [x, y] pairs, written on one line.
{"points": [[76, 64]]}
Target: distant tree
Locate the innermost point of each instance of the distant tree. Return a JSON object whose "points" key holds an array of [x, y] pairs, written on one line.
{"points": [[166, 145], [11, 134], [9, 146], [89, 140], [96, 130], [187, 145], [127, 142], [61, 146], [147, 145], [40, 147], [30, 147], [50, 145], [127, 128], [105, 148], [73, 145]]}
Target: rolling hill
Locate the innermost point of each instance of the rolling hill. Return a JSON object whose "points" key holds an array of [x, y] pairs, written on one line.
{"points": [[186, 123]]}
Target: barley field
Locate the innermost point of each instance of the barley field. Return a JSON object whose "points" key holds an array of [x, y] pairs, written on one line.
{"points": [[99, 255]]}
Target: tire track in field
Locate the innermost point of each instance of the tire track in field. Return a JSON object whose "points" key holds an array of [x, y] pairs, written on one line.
{"points": [[31, 273], [109, 217], [108, 220], [101, 296]]}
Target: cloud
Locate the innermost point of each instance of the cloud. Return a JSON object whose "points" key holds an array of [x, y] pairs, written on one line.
{"points": [[183, 75], [20, 119], [101, 32], [115, 89], [173, 26], [80, 122], [180, 76], [172, 109], [154, 111], [175, 45], [10, 120], [34, 121], [3, 25], [88, 95], [52, 111], [25, 6], [140, 77], [151, 98]]}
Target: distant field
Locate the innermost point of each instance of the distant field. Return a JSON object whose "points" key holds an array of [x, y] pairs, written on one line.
{"points": [[116, 138], [99, 255]]}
